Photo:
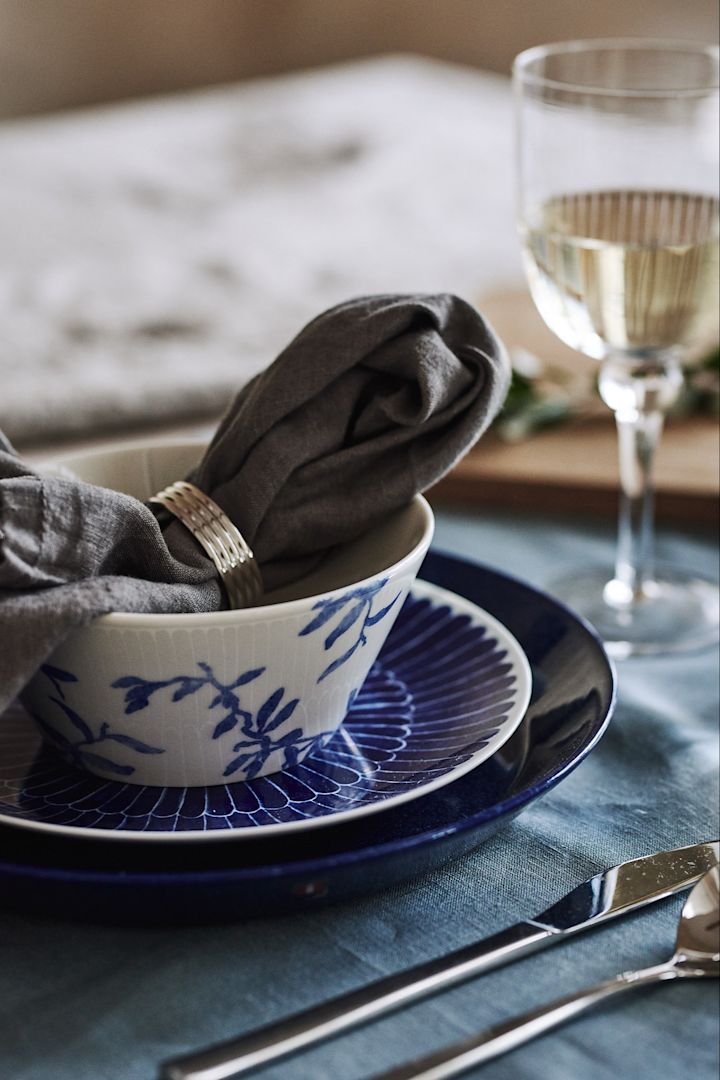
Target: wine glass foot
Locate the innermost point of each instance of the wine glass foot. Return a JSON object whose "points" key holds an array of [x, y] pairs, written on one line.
{"points": [[678, 611]]}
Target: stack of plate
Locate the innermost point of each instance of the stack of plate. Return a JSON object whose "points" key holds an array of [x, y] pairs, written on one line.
{"points": [[486, 694]]}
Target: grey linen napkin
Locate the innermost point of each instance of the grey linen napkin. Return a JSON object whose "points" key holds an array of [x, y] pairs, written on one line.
{"points": [[372, 402]]}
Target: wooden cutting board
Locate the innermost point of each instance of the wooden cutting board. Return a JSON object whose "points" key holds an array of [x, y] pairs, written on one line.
{"points": [[573, 468]]}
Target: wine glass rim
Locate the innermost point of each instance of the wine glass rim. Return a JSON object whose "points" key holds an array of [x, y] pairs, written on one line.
{"points": [[521, 65]]}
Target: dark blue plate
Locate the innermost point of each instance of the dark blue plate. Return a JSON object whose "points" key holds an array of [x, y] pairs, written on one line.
{"points": [[573, 697]]}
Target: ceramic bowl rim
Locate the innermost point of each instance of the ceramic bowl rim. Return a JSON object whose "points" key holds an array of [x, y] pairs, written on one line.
{"points": [[262, 612], [116, 620]]}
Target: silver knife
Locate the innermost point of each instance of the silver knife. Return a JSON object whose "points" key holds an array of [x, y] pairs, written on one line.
{"points": [[623, 888]]}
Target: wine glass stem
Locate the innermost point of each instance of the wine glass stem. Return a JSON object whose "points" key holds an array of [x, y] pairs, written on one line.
{"points": [[639, 393], [638, 438]]}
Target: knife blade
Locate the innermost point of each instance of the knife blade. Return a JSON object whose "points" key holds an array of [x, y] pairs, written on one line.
{"points": [[609, 894]]}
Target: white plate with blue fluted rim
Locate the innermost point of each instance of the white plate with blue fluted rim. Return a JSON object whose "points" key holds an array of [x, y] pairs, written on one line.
{"points": [[449, 688]]}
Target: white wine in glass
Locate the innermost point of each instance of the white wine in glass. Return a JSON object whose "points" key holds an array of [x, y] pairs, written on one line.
{"points": [[618, 216], [629, 271]]}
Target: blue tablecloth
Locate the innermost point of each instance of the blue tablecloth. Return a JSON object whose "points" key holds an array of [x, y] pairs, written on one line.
{"points": [[101, 1003]]}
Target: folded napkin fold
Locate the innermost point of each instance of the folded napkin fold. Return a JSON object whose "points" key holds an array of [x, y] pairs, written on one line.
{"points": [[372, 402]]}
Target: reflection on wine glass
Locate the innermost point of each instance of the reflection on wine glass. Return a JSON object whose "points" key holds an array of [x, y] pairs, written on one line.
{"points": [[617, 160]]}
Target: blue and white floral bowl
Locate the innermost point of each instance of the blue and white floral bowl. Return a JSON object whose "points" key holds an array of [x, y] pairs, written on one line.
{"points": [[199, 700]]}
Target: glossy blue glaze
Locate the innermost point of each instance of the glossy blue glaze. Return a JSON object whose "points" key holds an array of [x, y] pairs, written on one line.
{"points": [[573, 698]]}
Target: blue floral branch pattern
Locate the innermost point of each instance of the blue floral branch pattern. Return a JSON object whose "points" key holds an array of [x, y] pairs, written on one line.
{"points": [[258, 743], [77, 749], [258, 740], [139, 691], [57, 677], [350, 607]]}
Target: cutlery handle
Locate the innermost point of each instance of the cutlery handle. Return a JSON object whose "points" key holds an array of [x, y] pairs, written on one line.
{"points": [[501, 1038], [241, 1055]]}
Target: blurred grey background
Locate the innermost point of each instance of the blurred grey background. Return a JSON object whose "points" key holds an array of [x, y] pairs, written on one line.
{"points": [[155, 256], [58, 54]]}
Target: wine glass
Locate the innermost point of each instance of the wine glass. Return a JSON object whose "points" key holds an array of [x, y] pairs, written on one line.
{"points": [[617, 162]]}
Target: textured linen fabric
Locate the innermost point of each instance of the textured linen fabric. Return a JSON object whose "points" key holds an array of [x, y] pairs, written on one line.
{"points": [[102, 1003], [371, 403]]}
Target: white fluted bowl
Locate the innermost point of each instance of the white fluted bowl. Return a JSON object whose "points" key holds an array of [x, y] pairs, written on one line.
{"points": [[198, 700]]}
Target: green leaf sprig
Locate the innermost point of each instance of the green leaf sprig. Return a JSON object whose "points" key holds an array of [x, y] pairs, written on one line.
{"points": [[540, 398]]}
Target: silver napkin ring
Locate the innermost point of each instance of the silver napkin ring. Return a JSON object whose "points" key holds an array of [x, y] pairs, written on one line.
{"points": [[222, 541]]}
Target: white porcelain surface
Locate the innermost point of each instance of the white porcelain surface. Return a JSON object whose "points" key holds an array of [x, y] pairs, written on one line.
{"points": [[449, 688], [198, 700]]}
